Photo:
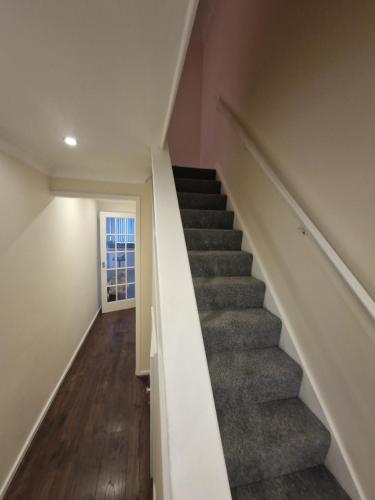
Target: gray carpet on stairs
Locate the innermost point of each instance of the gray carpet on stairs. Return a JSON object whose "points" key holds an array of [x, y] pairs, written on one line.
{"points": [[315, 483], [274, 446], [209, 219], [220, 263], [239, 329], [253, 376], [213, 239], [202, 201]]}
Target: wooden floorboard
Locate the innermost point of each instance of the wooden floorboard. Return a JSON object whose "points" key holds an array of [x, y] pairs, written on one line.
{"points": [[94, 440]]}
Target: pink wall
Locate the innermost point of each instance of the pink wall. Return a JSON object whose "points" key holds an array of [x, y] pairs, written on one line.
{"points": [[235, 48], [227, 44], [184, 134]]}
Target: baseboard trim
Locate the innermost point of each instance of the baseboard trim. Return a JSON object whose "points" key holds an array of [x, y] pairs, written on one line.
{"points": [[43, 413], [142, 373]]}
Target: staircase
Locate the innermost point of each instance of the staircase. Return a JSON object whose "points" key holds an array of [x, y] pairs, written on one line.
{"points": [[274, 446]]}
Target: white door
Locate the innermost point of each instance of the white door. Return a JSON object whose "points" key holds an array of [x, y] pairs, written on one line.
{"points": [[117, 254]]}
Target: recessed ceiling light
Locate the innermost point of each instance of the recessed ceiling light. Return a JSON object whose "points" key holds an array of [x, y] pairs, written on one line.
{"points": [[70, 141]]}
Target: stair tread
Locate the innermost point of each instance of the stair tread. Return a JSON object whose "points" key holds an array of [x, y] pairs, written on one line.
{"points": [[314, 483], [213, 239], [205, 211], [222, 281], [188, 185], [256, 375], [212, 230], [271, 439], [202, 200], [207, 218], [192, 172], [220, 263], [219, 253], [239, 329], [234, 292]]}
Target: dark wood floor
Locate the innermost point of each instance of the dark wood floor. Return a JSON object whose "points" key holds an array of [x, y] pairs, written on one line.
{"points": [[94, 441]]}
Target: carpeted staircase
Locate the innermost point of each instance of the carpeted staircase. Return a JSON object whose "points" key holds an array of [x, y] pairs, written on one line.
{"points": [[274, 445]]}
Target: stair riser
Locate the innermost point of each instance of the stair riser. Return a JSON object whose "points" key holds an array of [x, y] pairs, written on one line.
{"points": [[194, 173], [210, 219], [197, 186], [252, 393], [218, 341], [234, 334], [239, 379], [200, 239], [202, 201], [302, 455], [317, 481], [230, 297], [207, 265], [271, 439]]}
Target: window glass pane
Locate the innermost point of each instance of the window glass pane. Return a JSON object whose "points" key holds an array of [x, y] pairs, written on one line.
{"points": [[130, 226], [121, 276], [131, 275], [110, 225], [111, 260], [120, 259], [130, 242], [110, 242], [130, 259], [120, 242], [121, 292], [130, 291], [120, 225], [111, 277], [111, 294]]}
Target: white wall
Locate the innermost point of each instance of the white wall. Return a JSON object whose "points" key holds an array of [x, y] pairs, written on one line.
{"points": [[48, 296], [116, 205], [81, 187]]}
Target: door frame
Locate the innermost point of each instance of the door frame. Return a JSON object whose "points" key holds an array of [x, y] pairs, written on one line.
{"points": [[138, 277], [127, 303]]}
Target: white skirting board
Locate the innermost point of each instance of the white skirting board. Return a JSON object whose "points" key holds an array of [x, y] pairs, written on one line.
{"points": [[39, 420]]}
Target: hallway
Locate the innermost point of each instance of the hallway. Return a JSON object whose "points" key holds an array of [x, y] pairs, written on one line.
{"points": [[94, 441]]}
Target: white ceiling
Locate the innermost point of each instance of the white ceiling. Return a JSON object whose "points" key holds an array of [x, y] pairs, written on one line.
{"points": [[100, 70]]}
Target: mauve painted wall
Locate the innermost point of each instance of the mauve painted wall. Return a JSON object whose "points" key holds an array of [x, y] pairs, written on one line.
{"points": [[184, 134]]}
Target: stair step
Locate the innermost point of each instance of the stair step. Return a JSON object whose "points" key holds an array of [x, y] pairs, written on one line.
{"points": [[316, 483], [202, 201], [197, 185], [270, 439], [241, 378], [213, 239], [239, 329], [211, 219], [220, 263], [194, 173], [240, 292]]}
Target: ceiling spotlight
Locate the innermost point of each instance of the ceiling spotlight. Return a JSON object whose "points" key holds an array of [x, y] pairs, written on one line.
{"points": [[70, 141]]}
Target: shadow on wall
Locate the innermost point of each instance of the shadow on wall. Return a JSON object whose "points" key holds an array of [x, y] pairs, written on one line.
{"points": [[48, 291], [18, 210]]}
